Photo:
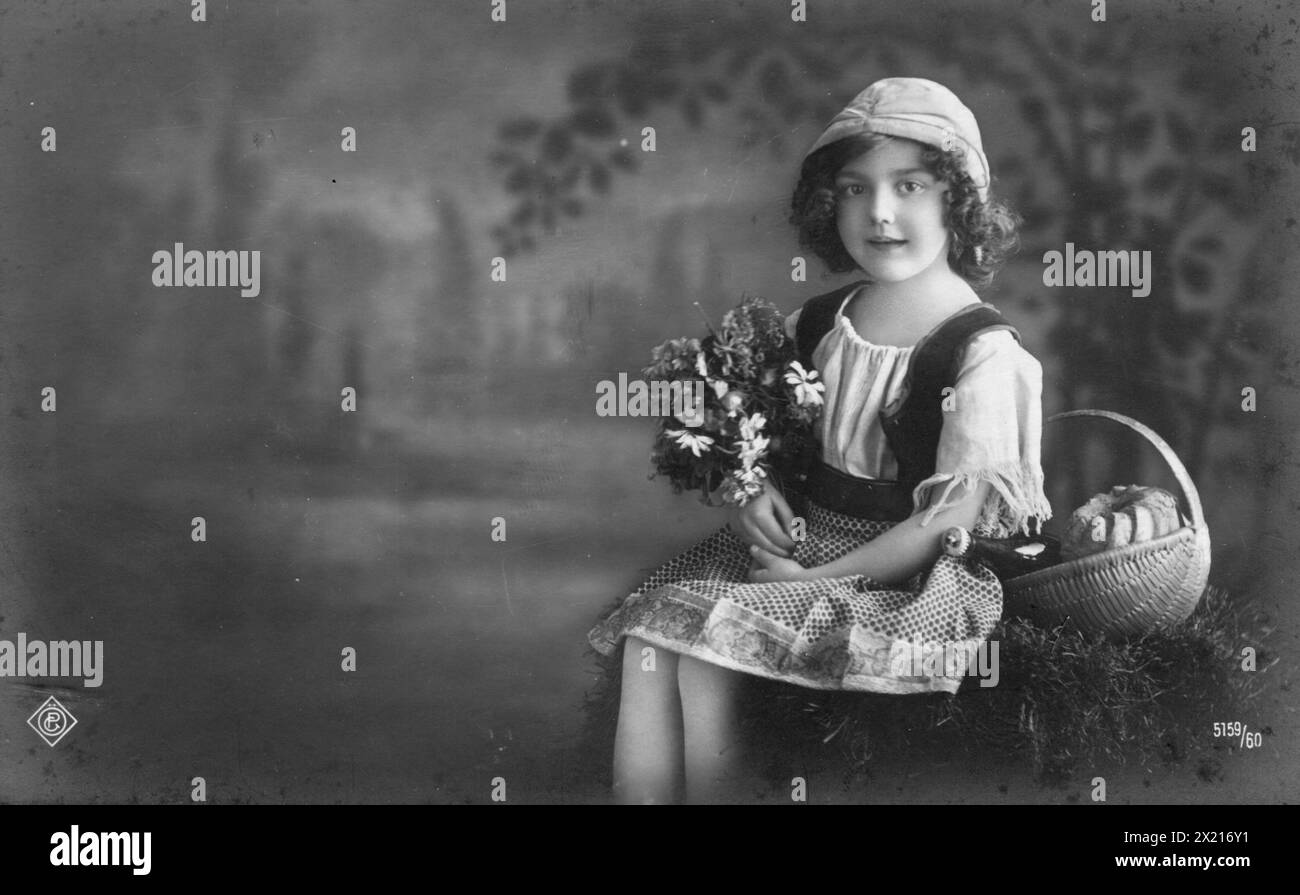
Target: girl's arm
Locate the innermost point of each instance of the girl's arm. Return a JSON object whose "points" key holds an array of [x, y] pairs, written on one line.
{"points": [[907, 548]]}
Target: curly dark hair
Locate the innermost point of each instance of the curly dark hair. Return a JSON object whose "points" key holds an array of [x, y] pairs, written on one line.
{"points": [[988, 225]]}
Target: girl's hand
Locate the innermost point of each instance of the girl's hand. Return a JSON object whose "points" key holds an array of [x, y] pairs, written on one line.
{"points": [[765, 522], [768, 567]]}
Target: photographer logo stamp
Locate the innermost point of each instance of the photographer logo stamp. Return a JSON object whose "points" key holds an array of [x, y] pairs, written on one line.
{"points": [[52, 721]]}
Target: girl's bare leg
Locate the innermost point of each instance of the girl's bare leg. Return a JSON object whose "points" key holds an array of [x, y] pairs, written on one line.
{"points": [[715, 770], [648, 743]]}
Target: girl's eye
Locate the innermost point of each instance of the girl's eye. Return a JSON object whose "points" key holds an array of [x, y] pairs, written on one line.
{"points": [[851, 189], [912, 186]]}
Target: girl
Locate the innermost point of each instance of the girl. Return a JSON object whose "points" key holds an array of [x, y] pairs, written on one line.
{"points": [[932, 418]]}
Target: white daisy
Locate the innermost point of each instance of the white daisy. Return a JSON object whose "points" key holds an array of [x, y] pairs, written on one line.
{"points": [[806, 390], [690, 440], [750, 426]]}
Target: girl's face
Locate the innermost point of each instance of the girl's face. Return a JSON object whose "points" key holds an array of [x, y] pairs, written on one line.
{"points": [[891, 212]]}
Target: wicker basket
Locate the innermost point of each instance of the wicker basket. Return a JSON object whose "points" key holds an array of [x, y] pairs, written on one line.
{"points": [[1123, 591]]}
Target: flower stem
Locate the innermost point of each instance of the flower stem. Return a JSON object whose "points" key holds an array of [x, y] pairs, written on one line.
{"points": [[706, 319]]}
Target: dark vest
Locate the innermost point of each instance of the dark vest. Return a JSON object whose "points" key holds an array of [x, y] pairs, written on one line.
{"points": [[912, 430]]}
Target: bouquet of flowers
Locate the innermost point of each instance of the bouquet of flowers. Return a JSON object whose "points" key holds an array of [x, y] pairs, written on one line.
{"points": [[759, 406]]}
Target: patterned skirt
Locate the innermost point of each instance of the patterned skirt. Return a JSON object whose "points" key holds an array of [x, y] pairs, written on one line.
{"points": [[848, 633]]}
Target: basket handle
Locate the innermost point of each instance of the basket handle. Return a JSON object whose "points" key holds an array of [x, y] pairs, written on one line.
{"points": [[1180, 471]]}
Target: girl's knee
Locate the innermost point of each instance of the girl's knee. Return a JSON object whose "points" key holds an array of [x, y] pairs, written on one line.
{"points": [[697, 674], [639, 656], [632, 651]]}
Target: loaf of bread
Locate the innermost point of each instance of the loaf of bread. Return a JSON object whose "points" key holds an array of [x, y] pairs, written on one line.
{"points": [[1127, 514]]}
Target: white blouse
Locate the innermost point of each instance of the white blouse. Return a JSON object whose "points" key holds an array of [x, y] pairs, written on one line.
{"points": [[992, 433]]}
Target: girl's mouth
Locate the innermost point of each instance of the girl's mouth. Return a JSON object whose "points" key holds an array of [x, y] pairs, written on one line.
{"points": [[882, 243]]}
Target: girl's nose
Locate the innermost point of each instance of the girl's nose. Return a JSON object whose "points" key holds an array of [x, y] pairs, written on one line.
{"points": [[882, 207]]}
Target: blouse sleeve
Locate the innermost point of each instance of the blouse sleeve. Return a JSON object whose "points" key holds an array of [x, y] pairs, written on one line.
{"points": [[791, 322], [993, 433]]}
